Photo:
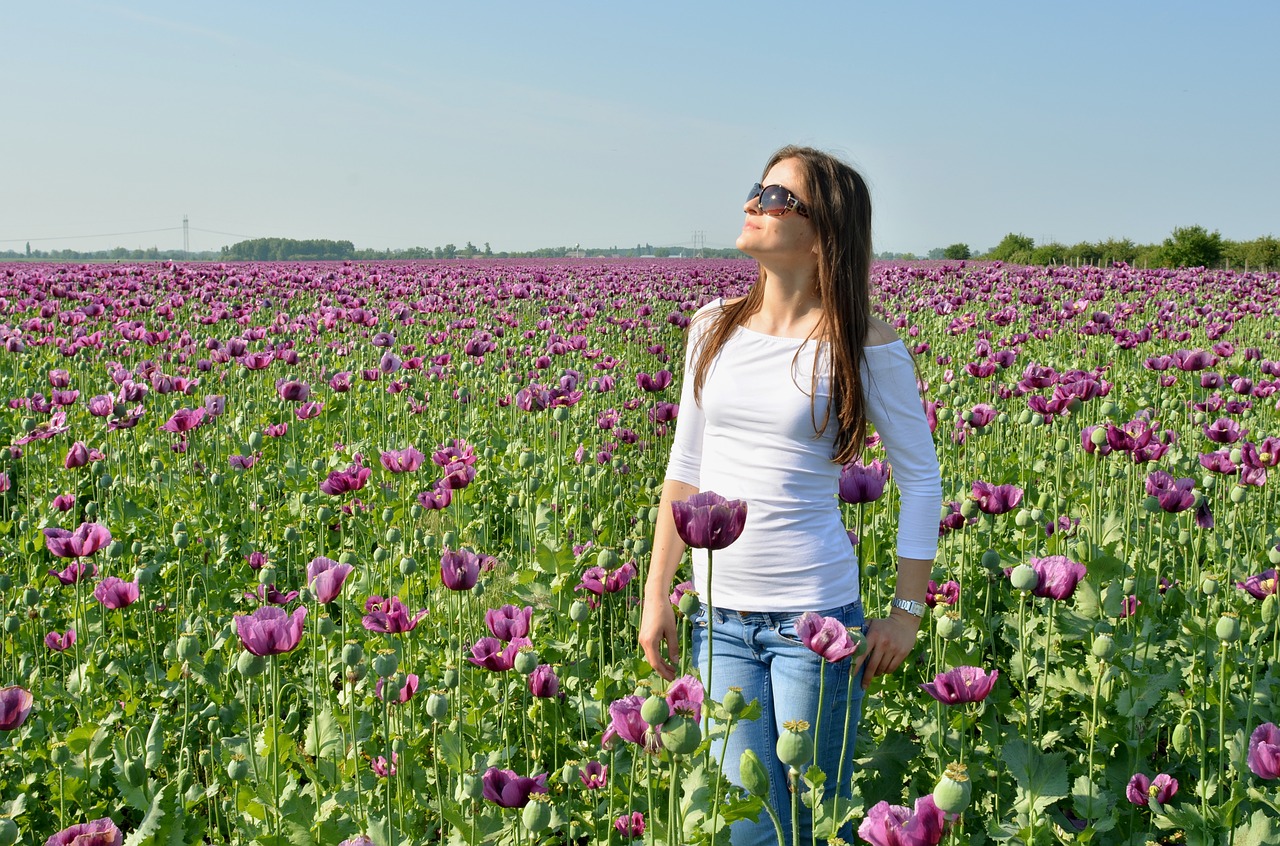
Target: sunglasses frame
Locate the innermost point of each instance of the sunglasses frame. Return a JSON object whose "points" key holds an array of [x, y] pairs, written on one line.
{"points": [[792, 203]]}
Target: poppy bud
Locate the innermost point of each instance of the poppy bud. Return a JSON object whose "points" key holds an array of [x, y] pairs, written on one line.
{"points": [[655, 710], [1270, 609], [438, 705], [470, 787], [250, 665], [1181, 738], [188, 646], [451, 678], [8, 832], [1024, 577], [1209, 586], [949, 626], [991, 559], [734, 702], [755, 778], [1273, 554], [681, 734], [1104, 646], [579, 612], [951, 793], [133, 772], [795, 746], [12, 623]]}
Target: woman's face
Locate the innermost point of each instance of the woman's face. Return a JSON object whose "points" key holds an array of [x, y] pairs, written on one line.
{"points": [[788, 237]]}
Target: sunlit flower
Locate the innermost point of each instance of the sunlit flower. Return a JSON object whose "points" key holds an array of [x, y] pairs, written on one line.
{"points": [[326, 577], [1264, 751], [508, 790], [389, 616], [271, 631], [102, 832], [115, 593], [707, 520], [15, 706], [961, 685]]}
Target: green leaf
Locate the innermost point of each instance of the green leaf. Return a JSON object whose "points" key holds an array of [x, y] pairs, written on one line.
{"points": [[1041, 778], [323, 736], [1090, 801], [155, 744], [146, 830], [1258, 830], [1135, 702], [881, 775]]}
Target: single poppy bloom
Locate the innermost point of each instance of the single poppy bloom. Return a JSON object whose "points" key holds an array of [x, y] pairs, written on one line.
{"points": [[270, 630], [961, 685]]}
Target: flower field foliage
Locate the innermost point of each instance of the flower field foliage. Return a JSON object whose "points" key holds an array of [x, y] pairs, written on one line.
{"points": [[352, 553]]}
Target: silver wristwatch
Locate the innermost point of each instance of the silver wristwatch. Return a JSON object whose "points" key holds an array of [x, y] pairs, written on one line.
{"points": [[912, 607]]}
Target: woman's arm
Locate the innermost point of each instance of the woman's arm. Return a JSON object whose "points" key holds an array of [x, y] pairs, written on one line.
{"points": [[659, 637]]}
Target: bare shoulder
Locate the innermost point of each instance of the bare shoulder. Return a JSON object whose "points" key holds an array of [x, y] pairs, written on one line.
{"points": [[879, 333]]}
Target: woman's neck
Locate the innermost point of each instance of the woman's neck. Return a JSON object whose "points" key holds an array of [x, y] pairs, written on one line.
{"points": [[790, 305]]}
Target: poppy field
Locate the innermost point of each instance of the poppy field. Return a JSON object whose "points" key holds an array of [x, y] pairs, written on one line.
{"points": [[349, 553]]}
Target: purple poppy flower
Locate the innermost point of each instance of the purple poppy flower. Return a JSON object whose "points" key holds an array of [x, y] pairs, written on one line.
{"points": [[825, 636], [243, 462], [389, 616], [87, 539], [77, 456], [74, 572], [459, 569], [508, 621], [861, 483], [308, 410], [630, 826], [1142, 789], [544, 683], [184, 420], [215, 405], [493, 654], [1173, 495], [101, 832], [508, 790], [1224, 430], [358, 840], [948, 593], [599, 581], [594, 775], [326, 578], [345, 481], [961, 685], [271, 631], [402, 461], [1264, 751], [625, 722], [686, 695], [654, 383], [707, 520], [341, 382], [15, 706], [60, 642], [383, 768], [1058, 576], [269, 593], [293, 390], [407, 691], [996, 499], [897, 825], [1262, 585], [115, 593]]}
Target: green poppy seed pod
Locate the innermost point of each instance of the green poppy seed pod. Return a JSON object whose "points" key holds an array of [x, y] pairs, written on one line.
{"points": [[12, 624], [991, 559], [1098, 437], [255, 440], [1022, 519], [1184, 537], [689, 603], [1104, 646], [450, 678], [188, 646], [537, 814], [59, 754], [526, 661], [450, 540], [1037, 419], [291, 534], [951, 793], [560, 414], [267, 575], [1273, 554], [1228, 628], [1208, 481], [1151, 505], [386, 662], [734, 702], [115, 549], [408, 565], [1061, 445], [91, 509], [380, 554], [949, 626], [324, 514], [470, 787], [8, 832], [579, 611], [136, 547], [1181, 738], [438, 705], [1209, 586], [655, 710], [347, 558], [681, 734], [969, 509], [393, 536], [416, 511], [755, 778], [1238, 494], [1270, 609], [250, 665], [1237, 455], [324, 623], [317, 466], [30, 596], [569, 772], [795, 745], [180, 540], [104, 481], [352, 653], [607, 559], [526, 460], [1024, 577]]}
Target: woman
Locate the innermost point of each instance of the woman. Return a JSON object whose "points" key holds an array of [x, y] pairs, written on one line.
{"points": [[779, 389]]}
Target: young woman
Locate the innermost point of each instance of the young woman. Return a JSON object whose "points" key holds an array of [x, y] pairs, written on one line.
{"points": [[779, 389]]}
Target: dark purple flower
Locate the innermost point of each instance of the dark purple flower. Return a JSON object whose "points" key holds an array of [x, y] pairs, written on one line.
{"points": [[243, 462], [996, 499], [1058, 576], [308, 410], [1141, 789], [594, 775], [1262, 585], [686, 695], [60, 642], [543, 682], [1173, 495], [101, 832], [436, 499], [630, 826], [825, 636], [707, 520], [74, 572], [508, 790], [508, 622], [269, 593], [626, 722], [961, 685], [407, 691], [382, 768], [402, 461], [861, 483], [326, 578], [292, 390], [1224, 430], [114, 593], [345, 481], [600, 581], [389, 616], [87, 539], [271, 631], [897, 825], [77, 456], [184, 420], [493, 654], [948, 593], [1264, 751], [459, 569], [15, 706]]}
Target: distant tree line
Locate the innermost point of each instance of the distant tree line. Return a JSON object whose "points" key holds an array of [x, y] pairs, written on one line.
{"points": [[116, 254], [1188, 246]]}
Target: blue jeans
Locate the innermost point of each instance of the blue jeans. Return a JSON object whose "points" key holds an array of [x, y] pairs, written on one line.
{"points": [[760, 653]]}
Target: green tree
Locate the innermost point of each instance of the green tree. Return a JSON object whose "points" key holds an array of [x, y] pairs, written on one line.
{"points": [[1191, 246], [957, 251], [1014, 248], [1051, 253]]}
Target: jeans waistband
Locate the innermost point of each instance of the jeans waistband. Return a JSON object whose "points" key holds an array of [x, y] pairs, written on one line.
{"points": [[775, 617]]}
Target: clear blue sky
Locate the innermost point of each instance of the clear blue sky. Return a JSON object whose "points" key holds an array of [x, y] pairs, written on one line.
{"points": [[542, 124]]}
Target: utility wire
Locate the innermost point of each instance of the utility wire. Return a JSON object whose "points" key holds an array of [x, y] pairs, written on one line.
{"points": [[103, 235]]}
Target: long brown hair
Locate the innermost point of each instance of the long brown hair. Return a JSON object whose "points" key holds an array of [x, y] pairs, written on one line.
{"points": [[840, 209]]}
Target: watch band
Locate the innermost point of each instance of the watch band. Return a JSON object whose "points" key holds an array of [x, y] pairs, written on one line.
{"points": [[916, 609]]}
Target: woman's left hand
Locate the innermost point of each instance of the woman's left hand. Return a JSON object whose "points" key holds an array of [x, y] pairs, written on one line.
{"points": [[889, 642]]}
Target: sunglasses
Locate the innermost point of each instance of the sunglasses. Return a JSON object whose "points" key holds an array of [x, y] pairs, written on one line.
{"points": [[776, 201]]}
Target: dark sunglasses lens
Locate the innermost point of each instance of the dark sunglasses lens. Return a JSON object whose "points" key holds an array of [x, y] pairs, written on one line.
{"points": [[754, 192], [774, 200]]}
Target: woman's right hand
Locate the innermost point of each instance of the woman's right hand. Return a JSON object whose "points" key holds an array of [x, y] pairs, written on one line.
{"points": [[659, 637]]}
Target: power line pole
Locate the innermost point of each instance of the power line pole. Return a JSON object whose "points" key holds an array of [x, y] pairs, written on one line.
{"points": [[186, 242]]}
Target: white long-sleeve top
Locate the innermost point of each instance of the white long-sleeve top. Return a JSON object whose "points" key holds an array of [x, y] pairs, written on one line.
{"points": [[753, 438]]}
